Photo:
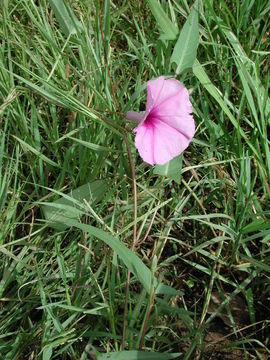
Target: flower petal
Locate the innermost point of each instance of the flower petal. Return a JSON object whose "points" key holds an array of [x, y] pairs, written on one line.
{"points": [[168, 142], [175, 109], [158, 143], [183, 123], [159, 90], [144, 141], [154, 88]]}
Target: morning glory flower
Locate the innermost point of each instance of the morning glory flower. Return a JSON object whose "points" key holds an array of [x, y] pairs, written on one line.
{"points": [[167, 126]]}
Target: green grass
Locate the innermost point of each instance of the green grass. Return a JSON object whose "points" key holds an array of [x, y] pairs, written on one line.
{"points": [[62, 286]]}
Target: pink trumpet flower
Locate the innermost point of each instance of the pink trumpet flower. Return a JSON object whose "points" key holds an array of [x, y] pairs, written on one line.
{"points": [[167, 126]]}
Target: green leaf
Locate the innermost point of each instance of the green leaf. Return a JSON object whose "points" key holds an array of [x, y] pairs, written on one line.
{"points": [[47, 353], [171, 169], [256, 225], [185, 50], [93, 311], [69, 206], [68, 22], [202, 76], [137, 355], [250, 301], [257, 264], [28, 147], [168, 30], [129, 258], [95, 147], [266, 239]]}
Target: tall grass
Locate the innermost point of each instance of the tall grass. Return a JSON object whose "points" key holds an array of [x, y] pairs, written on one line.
{"points": [[66, 199]]}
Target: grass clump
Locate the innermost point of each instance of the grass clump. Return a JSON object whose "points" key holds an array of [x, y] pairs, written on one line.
{"points": [[67, 77]]}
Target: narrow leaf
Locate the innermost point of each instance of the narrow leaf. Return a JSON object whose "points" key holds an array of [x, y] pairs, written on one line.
{"points": [[95, 147], [129, 258], [185, 50], [57, 213], [168, 30], [68, 22], [201, 75], [47, 353], [36, 152], [137, 355]]}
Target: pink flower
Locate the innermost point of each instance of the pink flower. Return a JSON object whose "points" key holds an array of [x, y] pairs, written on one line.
{"points": [[167, 126]]}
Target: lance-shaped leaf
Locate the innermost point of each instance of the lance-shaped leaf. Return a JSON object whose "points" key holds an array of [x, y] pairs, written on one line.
{"points": [[185, 50], [71, 206], [129, 258], [168, 30], [68, 22], [137, 355]]}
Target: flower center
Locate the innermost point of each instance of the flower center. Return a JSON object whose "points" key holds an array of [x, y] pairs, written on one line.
{"points": [[150, 119]]}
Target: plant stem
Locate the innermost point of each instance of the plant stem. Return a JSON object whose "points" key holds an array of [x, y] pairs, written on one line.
{"points": [[133, 179]]}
